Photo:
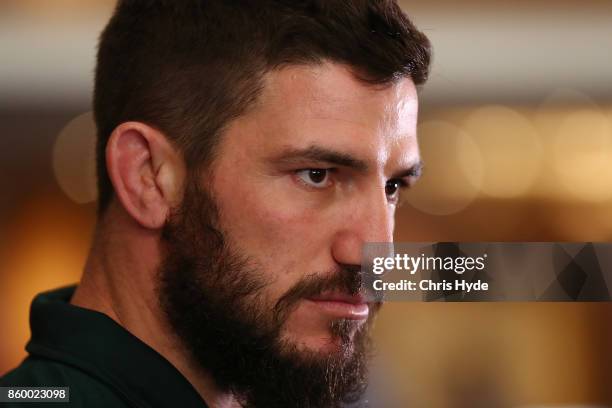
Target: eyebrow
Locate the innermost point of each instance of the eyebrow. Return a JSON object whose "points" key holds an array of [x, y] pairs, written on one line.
{"points": [[320, 154], [414, 171], [326, 155]]}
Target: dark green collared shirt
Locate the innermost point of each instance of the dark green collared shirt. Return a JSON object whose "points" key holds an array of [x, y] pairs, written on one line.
{"points": [[103, 364]]}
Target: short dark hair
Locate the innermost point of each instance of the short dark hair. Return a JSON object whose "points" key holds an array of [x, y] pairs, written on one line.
{"points": [[188, 67]]}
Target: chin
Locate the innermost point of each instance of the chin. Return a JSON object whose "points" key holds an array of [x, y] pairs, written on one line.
{"points": [[323, 344], [311, 332]]}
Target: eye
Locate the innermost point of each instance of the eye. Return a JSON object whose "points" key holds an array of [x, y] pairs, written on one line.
{"points": [[392, 189], [317, 178]]}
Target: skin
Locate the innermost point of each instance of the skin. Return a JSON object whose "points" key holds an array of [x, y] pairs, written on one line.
{"points": [[308, 117]]}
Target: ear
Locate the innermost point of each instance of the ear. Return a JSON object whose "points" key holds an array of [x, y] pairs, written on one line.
{"points": [[147, 172]]}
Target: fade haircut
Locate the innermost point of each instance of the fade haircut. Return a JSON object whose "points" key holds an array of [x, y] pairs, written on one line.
{"points": [[188, 67]]}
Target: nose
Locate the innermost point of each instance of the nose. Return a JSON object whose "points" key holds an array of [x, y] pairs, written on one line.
{"points": [[369, 219]]}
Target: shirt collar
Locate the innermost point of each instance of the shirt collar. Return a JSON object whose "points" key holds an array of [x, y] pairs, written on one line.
{"points": [[96, 344]]}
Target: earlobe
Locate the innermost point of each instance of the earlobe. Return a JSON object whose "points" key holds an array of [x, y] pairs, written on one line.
{"points": [[142, 166]]}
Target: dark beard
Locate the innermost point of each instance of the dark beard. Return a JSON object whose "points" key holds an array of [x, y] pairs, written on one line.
{"points": [[212, 297]]}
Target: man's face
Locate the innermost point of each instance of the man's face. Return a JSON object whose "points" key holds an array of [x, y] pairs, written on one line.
{"points": [[308, 176], [261, 274]]}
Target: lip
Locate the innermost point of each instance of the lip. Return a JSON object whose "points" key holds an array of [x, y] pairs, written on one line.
{"points": [[340, 305]]}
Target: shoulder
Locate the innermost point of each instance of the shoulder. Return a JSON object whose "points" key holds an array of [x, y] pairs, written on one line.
{"points": [[84, 390]]}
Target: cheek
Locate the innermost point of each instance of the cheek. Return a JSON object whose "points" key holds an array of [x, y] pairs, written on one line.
{"points": [[268, 214], [281, 233]]}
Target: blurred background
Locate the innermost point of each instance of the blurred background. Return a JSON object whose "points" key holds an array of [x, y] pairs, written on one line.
{"points": [[516, 134]]}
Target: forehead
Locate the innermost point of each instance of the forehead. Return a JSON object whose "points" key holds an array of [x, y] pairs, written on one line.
{"points": [[332, 91], [304, 105]]}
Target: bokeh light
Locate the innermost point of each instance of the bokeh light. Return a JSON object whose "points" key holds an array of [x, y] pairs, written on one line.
{"points": [[453, 170], [74, 159], [510, 148], [583, 155]]}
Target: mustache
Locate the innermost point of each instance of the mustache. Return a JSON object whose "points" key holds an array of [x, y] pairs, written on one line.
{"points": [[347, 279]]}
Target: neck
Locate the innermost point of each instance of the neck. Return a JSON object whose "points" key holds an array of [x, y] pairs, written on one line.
{"points": [[119, 280]]}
